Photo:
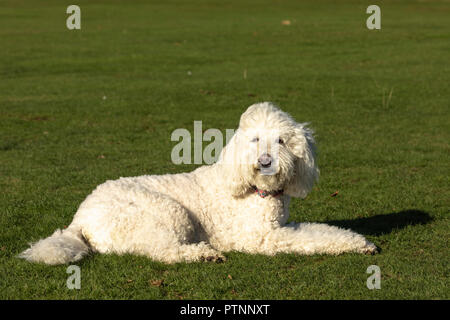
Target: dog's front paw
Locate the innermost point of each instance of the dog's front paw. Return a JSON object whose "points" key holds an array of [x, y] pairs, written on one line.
{"points": [[214, 258], [370, 249]]}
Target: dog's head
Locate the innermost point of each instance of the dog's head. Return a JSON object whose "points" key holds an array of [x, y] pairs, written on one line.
{"points": [[270, 151]]}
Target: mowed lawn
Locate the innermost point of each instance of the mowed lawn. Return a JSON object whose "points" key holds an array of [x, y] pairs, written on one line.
{"points": [[84, 106]]}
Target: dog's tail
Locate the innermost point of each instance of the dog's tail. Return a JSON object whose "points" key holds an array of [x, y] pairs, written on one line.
{"points": [[61, 247]]}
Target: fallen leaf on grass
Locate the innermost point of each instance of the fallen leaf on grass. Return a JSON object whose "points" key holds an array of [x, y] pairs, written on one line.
{"points": [[179, 296], [206, 92], [39, 118], [286, 22], [157, 283]]}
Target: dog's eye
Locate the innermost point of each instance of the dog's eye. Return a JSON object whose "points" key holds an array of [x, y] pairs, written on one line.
{"points": [[255, 139], [280, 141]]}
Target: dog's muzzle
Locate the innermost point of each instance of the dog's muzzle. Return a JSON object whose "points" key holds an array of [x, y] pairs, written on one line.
{"points": [[265, 160], [266, 165]]}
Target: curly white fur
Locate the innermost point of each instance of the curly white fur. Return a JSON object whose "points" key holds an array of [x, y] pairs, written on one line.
{"points": [[213, 209]]}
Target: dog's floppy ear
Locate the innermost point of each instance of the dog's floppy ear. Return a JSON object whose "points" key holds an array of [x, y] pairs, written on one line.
{"points": [[232, 162], [302, 145]]}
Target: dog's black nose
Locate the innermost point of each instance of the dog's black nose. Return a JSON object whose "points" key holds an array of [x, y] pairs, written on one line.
{"points": [[265, 160]]}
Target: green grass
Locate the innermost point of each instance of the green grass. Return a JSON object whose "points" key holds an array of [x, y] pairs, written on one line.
{"points": [[80, 107]]}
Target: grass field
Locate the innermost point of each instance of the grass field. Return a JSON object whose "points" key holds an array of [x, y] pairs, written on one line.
{"points": [[83, 106]]}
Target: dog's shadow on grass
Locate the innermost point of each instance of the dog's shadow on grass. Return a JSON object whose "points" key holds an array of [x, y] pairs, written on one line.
{"points": [[384, 223]]}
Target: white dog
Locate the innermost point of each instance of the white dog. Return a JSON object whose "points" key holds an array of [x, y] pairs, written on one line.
{"points": [[239, 203]]}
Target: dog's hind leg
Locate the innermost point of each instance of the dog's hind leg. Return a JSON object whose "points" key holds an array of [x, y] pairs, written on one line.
{"points": [[140, 221], [179, 252], [171, 235]]}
